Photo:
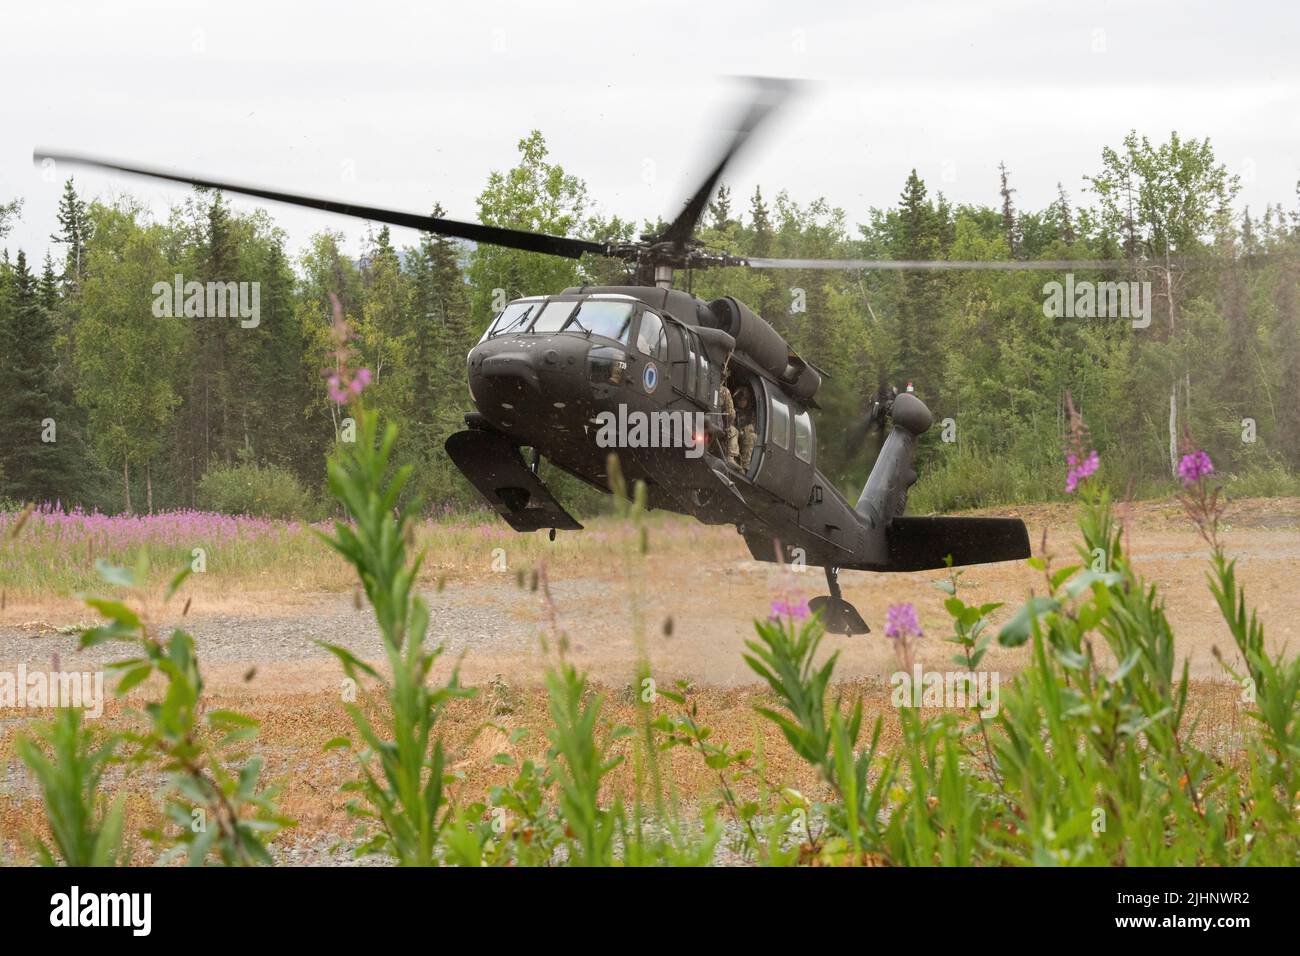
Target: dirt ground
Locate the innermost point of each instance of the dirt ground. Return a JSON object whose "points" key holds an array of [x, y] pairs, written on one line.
{"points": [[706, 598], [259, 652]]}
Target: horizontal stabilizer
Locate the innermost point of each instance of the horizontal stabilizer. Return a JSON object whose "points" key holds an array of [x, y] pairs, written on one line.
{"points": [[919, 544], [493, 465]]}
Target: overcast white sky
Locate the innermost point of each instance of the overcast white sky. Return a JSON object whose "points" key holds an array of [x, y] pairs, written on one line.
{"points": [[400, 105]]}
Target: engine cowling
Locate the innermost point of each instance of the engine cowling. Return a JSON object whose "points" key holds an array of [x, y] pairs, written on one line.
{"points": [[755, 337]]}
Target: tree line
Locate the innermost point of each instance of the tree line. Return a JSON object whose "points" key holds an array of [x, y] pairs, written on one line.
{"points": [[110, 405]]}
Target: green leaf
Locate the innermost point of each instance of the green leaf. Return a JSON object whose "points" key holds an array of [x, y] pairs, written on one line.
{"points": [[1061, 575], [233, 718], [349, 659], [115, 611], [1074, 660], [177, 581], [1017, 630], [114, 574], [1085, 580], [94, 636], [133, 678], [1124, 668]]}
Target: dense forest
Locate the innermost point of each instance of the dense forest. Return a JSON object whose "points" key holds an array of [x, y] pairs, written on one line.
{"points": [[108, 405]]}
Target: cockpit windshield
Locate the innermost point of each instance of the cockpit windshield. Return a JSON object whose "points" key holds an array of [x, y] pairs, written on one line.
{"points": [[604, 317], [514, 318], [554, 315], [610, 318]]}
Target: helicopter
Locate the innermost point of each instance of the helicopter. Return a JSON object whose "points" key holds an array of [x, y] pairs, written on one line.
{"points": [[559, 373]]}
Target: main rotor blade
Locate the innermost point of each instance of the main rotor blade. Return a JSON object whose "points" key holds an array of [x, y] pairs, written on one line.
{"points": [[473, 231], [898, 265], [768, 95]]}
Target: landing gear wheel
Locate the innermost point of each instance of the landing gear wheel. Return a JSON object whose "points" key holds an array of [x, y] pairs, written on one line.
{"points": [[838, 615]]}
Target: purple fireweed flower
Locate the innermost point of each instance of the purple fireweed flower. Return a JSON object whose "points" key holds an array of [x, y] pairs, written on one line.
{"points": [[116, 533], [796, 611], [342, 383], [1201, 503], [1079, 464], [1194, 467], [337, 393], [342, 389], [901, 622], [1078, 470]]}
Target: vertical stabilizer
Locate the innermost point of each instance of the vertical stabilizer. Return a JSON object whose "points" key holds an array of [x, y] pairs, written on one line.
{"points": [[885, 494]]}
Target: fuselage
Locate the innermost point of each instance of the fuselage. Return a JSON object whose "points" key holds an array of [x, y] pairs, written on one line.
{"points": [[639, 371]]}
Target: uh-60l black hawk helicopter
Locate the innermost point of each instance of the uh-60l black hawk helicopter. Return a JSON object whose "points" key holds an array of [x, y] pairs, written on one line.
{"points": [[549, 365]]}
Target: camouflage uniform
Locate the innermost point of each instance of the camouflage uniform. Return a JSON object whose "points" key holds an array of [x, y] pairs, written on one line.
{"points": [[748, 439], [729, 417], [748, 435]]}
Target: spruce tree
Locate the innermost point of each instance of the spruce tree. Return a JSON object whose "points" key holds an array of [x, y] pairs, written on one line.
{"points": [[8, 358], [1062, 216], [720, 208], [442, 336], [1009, 230], [74, 232], [35, 468], [760, 225], [1287, 348], [918, 234]]}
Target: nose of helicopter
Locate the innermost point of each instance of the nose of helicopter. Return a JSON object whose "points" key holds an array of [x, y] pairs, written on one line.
{"points": [[537, 375]]}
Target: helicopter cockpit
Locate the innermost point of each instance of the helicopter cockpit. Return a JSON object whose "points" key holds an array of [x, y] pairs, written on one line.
{"points": [[569, 349]]}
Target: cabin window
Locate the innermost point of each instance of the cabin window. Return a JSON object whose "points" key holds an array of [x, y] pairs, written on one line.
{"points": [[702, 381], [512, 319], [692, 360], [803, 437], [652, 339], [613, 320], [778, 424], [553, 316]]}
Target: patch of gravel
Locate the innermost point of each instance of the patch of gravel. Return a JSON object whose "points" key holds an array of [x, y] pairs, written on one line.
{"points": [[323, 849], [498, 618]]}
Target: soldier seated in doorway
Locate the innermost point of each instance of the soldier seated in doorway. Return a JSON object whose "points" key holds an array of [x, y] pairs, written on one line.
{"points": [[748, 435], [731, 436]]}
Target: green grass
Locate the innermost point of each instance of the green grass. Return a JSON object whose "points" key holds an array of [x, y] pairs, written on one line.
{"points": [[54, 556], [967, 478]]}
